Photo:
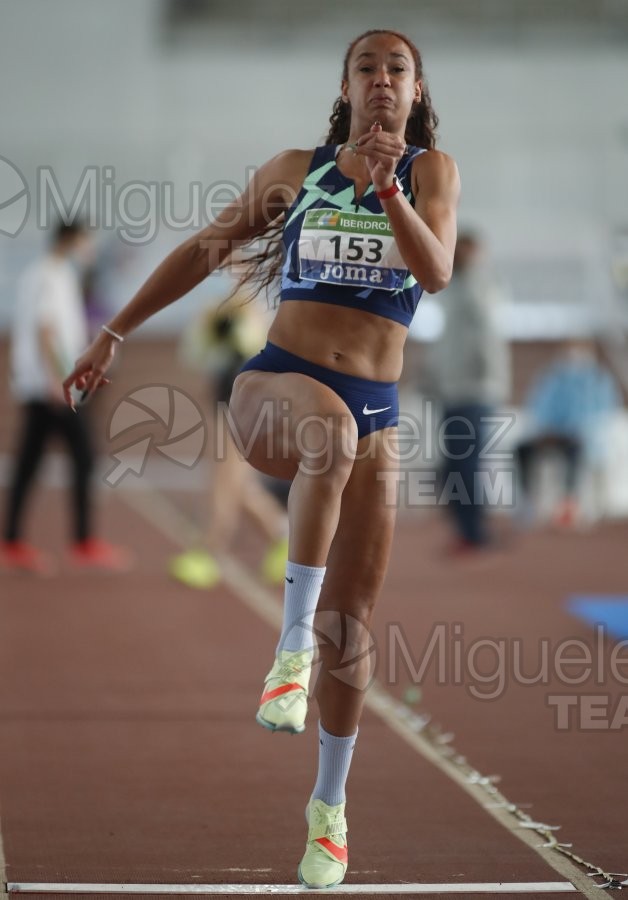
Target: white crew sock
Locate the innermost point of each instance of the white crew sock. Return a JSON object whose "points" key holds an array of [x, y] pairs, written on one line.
{"points": [[334, 760], [302, 589]]}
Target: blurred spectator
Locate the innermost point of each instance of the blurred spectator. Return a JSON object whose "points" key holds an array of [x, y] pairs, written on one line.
{"points": [[49, 333], [568, 408], [219, 343], [471, 370]]}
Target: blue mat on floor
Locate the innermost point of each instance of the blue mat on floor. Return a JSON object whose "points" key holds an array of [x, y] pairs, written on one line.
{"points": [[610, 609]]}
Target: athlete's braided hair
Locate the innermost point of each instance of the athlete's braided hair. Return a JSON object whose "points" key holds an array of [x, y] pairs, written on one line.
{"points": [[262, 268]]}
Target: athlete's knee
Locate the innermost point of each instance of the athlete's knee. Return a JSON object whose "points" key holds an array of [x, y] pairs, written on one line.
{"points": [[344, 640], [326, 444], [356, 596]]}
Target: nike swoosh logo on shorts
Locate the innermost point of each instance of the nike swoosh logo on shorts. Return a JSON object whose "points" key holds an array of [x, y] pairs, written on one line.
{"points": [[369, 412]]}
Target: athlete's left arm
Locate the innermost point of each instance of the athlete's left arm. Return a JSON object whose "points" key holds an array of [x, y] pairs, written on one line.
{"points": [[426, 234]]}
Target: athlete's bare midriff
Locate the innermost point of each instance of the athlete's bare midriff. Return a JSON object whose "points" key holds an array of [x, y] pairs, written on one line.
{"points": [[341, 338]]}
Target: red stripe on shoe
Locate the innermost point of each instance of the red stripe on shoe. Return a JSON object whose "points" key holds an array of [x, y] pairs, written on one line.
{"points": [[340, 853], [278, 691]]}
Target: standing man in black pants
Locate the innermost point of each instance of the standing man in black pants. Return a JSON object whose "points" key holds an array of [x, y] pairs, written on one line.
{"points": [[49, 332]]}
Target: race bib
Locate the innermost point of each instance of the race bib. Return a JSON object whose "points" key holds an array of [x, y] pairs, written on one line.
{"points": [[354, 249]]}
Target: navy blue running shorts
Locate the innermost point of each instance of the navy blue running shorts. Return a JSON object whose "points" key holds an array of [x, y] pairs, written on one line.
{"points": [[373, 404]]}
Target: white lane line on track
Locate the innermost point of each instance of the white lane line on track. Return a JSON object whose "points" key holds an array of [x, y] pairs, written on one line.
{"points": [[3, 870], [160, 512], [532, 887]]}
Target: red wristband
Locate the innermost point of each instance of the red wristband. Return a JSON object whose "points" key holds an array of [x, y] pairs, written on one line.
{"points": [[395, 188]]}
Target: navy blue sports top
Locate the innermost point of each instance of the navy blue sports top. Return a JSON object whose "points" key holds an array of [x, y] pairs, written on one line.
{"points": [[343, 252]]}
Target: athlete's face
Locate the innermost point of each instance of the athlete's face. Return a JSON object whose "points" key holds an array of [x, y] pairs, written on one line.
{"points": [[382, 83]]}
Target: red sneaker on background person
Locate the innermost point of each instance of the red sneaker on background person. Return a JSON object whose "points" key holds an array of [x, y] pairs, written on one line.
{"points": [[567, 514], [94, 553], [23, 557], [461, 548]]}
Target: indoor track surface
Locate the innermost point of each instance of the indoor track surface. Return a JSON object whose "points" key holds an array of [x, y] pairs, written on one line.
{"points": [[131, 757]]}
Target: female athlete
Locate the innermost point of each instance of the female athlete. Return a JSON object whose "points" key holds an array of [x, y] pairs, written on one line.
{"points": [[356, 229]]}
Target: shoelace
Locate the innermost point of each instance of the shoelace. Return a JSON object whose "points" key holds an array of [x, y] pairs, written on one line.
{"points": [[332, 828], [293, 667]]}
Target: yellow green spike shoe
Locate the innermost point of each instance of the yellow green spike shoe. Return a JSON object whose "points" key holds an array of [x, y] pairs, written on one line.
{"points": [[195, 568], [324, 863], [283, 705], [274, 563]]}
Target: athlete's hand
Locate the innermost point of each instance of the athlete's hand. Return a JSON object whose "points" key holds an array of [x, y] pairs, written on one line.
{"points": [[382, 152], [89, 370]]}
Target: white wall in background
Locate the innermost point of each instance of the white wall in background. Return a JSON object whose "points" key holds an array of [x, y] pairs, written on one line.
{"points": [[540, 135]]}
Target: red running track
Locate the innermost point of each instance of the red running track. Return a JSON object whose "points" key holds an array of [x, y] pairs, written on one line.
{"points": [[130, 753]]}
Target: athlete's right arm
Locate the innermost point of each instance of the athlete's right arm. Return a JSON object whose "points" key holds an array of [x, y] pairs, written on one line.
{"points": [[269, 191]]}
